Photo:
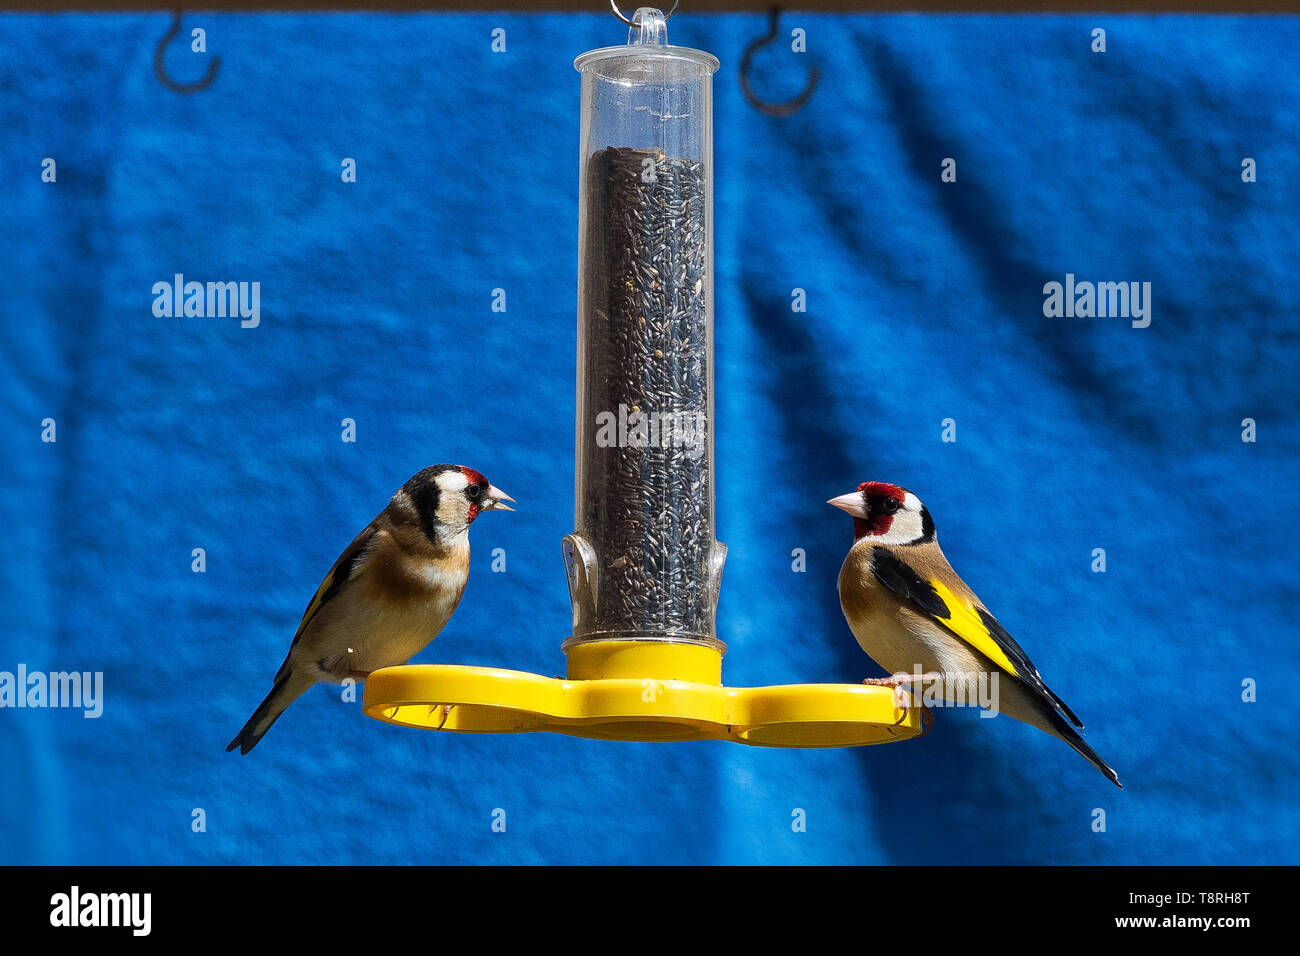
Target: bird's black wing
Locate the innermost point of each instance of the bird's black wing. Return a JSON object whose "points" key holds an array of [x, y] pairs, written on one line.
{"points": [[968, 621], [337, 577], [1016, 653]]}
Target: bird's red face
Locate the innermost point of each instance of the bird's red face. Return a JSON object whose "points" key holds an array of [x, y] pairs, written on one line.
{"points": [[448, 497], [473, 482], [481, 495], [888, 514], [882, 502]]}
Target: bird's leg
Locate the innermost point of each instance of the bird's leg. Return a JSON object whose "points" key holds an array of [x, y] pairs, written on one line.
{"points": [[902, 693], [895, 679], [358, 675], [898, 680]]}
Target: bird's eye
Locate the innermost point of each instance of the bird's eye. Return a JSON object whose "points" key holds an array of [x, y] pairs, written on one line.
{"points": [[474, 490], [890, 506]]}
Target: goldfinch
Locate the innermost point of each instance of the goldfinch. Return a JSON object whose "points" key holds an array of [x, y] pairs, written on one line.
{"points": [[389, 593], [911, 613]]}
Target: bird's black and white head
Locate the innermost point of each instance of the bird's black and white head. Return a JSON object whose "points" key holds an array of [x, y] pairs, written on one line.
{"points": [[447, 499], [887, 514]]}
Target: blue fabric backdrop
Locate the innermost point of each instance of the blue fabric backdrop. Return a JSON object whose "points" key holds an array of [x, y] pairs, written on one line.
{"points": [[924, 303]]}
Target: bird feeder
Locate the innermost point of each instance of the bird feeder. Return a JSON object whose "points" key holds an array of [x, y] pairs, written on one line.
{"points": [[644, 565]]}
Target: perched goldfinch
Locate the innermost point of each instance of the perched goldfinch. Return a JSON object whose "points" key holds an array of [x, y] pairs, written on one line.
{"points": [[389, 594], [909, 610]]}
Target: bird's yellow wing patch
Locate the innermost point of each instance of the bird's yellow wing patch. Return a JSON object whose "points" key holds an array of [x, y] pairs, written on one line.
{"points": [[964, 621], [932, 597], [344, 567], [317, 599]]}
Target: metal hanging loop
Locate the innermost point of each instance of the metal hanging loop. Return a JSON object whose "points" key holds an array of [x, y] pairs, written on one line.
{"points": [[789, 107], [613, 5], [160, 67]]}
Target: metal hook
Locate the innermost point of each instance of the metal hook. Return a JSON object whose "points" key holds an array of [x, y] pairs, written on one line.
{"points": [[619, 13], [789, 107], [160, 67]]}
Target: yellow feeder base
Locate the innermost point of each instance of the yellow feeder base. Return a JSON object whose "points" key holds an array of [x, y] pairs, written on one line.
{"points": [[637, 690]]}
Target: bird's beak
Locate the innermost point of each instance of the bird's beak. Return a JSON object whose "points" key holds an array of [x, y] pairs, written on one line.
{"points": [[494, 498], [852, 503]]}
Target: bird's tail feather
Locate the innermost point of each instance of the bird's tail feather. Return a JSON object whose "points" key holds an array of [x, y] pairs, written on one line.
{"points": [[288, 688], [1075, 740], [1027, 704]]}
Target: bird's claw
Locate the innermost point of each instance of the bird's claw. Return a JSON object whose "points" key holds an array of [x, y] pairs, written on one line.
{"points": [[903, 701], [446, 712], [927, 721], [903, 693]]}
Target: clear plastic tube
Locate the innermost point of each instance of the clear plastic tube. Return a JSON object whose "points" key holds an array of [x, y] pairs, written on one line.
{"points": [[643, 561]]}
